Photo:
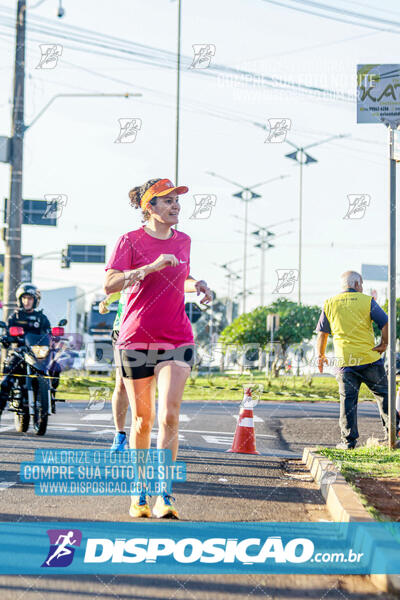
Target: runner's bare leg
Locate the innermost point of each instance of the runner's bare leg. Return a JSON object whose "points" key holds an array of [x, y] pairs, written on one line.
{"points": [[171, 378], [141, 394], [119, 402]]}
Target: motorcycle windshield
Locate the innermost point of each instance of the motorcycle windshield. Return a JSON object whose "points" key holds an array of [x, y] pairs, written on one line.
{"points": [[37, 339]]}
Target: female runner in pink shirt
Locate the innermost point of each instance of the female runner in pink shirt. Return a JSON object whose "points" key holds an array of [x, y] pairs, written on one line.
{"points": [[155, 343]]}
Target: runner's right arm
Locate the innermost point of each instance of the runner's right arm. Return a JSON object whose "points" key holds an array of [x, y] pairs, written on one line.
{"points": [[118, 280]]}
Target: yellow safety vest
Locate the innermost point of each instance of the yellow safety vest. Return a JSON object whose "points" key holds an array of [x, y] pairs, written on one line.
{"points": [[349, 315]]}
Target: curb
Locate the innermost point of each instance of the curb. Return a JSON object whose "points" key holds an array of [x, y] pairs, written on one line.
{"points": [[344, 505]]}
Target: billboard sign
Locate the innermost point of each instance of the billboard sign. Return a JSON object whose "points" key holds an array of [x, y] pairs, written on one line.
{"points": [[378, 94]]}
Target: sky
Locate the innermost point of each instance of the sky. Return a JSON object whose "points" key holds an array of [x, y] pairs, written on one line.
{"points": [[71, 149]]}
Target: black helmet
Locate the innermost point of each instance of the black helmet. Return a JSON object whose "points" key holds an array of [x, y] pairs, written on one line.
{"points": [[32, 290]]}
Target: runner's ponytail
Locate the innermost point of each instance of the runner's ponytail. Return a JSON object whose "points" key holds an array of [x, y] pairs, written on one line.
{"points": [[136, 195]]}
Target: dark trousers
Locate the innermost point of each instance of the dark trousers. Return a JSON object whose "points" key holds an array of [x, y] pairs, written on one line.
{"points": [[11, 365], [374, 376]]}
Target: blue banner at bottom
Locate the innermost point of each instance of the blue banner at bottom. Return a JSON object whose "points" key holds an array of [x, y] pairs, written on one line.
{"points": [[195, 548]]}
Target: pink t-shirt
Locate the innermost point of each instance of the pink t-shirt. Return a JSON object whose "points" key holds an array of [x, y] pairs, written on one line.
{"points": [[155, 310]]}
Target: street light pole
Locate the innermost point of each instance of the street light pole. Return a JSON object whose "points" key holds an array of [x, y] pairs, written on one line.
{"points": [[12, 254], [263, 236], [99, 95], [13, 228], [246, 194], [246, 210], [303, 158], [300, 220]]}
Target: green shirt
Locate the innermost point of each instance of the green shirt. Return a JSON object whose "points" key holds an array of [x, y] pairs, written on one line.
{"points": [[120, 310]]}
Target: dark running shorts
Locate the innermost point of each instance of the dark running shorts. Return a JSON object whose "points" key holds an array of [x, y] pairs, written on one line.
{"points": [[137, 364]]}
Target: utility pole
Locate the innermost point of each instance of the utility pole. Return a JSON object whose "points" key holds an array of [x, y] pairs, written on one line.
{"points": [[178, 93], [12, 255], [392, 293]]}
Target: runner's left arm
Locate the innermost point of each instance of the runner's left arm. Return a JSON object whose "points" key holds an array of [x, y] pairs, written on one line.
{"points": [[104, 304], [198, 286]]}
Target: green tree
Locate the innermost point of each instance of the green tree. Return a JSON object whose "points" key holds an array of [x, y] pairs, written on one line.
{"points": [[297, 324]]}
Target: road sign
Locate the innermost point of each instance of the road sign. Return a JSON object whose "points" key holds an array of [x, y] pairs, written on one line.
{"points": [[88, 253], [34, 212], [26, 267], [378, 94], [374, 272]]}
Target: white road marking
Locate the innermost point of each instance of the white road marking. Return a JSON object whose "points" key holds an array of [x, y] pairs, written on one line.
{"points": [[184, 418], [8, 428], [102, 432], [224, 433], [97, 417], [62, 428], [182, 430], [217, 439], [154, 436], [6, 484], [256, 418]]}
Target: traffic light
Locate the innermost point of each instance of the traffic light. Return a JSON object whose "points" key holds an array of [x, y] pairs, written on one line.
{"points": [[65, 259], [193, 311]]}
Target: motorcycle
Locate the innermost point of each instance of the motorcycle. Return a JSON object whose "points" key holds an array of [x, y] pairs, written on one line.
{"points": [[33, 390]]}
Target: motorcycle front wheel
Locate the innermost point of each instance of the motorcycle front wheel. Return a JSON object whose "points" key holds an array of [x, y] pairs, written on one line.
{"points": [[41, 412], [21, 420]]}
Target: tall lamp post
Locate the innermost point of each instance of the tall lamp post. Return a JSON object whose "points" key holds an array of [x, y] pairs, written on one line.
{"points": [[263, 234], [246, 194], [302, 158]]}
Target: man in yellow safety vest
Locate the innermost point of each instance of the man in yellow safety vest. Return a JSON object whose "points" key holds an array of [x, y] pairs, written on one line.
{"points": [[348, 318]]}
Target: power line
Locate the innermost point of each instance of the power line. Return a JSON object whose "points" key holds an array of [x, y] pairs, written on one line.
{"points": [[163, 58], [329, 17]]}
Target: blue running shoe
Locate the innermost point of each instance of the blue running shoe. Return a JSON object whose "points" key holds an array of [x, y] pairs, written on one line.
{"points": [[120, 442]]}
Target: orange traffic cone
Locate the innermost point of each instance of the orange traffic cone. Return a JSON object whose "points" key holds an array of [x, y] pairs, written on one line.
{"points": [[244, 441]]}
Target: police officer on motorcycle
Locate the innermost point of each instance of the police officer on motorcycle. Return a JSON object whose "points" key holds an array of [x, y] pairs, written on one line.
{"points": [[32, 321]]}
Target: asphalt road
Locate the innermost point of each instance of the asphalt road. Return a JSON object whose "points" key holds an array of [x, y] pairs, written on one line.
{"points": [[220, 486]]}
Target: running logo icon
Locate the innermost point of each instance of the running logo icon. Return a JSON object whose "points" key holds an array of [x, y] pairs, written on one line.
{"points": [[357, 206], [61, 551], [128, 130], [203, 54], [286, 281], [50, 53], [204, 203], [55, 205], [278, 129]]}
